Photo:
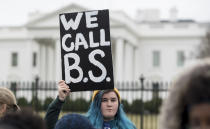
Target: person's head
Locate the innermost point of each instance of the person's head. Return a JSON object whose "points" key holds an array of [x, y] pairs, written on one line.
{"points": [[24, 119], [188, 105], [109, 102], [106, 106], [7, 101], [73, 121]]}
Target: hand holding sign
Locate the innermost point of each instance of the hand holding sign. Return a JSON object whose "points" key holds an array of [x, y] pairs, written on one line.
{"points": [[63, 90], [86, 50]]}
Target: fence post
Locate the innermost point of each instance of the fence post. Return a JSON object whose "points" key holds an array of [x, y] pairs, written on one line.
{"points": [[155, 90], [35, 94], [142, 95], [13, 87]]}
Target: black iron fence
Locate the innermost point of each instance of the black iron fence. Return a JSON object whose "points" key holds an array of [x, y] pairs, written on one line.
{"points": [[141, 100]]}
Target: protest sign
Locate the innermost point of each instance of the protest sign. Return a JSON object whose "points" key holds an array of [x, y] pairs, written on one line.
{"points": [[86, 50]]}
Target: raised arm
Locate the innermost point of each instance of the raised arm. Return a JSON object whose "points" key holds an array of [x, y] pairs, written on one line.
{"points": [[54, 108]]}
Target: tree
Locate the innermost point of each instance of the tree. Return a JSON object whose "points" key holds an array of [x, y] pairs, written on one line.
{"points": [[204, 47]]}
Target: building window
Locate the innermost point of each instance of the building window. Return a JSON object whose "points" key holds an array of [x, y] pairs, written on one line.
{"points": [[180, 58], [34, 59], [156, 58], [14, 59]]}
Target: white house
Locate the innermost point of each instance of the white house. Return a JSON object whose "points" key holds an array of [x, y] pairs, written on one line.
{"points": [[156, 49]]}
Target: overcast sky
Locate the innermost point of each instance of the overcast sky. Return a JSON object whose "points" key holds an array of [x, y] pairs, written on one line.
{"points": [[15, 12]]}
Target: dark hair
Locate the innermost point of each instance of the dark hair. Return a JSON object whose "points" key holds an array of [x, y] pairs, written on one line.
{"points": [[198, 91], [191, 88], [24, 119], [73, 121], [199, 82], [5, 126]]}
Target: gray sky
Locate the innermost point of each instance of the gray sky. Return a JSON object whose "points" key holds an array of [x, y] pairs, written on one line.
{"points": [[15, 12]]}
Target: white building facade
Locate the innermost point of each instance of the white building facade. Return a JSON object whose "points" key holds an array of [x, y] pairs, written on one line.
{"points": [[158, 50]]}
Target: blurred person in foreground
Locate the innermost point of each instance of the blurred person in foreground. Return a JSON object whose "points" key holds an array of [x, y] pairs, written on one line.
{"points": [[188, 103], [24, 119], [74, 121], [7, 102]]}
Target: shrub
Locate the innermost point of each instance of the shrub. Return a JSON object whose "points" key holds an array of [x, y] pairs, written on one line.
{"points": [[126, 105], [47, 102], [81, 105], [136, 106], [153, 105], [36, 103], [78, 105], [22, 102], [68, 105]]}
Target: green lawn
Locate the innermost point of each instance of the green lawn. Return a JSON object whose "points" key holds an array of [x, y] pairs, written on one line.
{"points": [[149, 121]]}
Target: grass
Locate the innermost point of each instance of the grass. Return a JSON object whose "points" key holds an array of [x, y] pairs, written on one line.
{"points": [[149, 121]]}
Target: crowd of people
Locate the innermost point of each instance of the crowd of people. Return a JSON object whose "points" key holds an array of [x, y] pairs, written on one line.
{"points": [[186, 107]]}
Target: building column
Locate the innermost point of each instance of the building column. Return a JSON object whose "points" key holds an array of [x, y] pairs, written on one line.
{"points": [[119, 55], [135, 63], [29, 66], [47, 59], [128, 61], [51, 62], [58, 72], [43, 62]]}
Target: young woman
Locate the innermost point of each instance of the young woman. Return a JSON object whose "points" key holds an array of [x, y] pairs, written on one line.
{"points": [[7, 101], [188, 104], [105, 111]]}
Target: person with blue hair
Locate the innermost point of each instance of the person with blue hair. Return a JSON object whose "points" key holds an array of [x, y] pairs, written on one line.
{"points": [[105, 112]]}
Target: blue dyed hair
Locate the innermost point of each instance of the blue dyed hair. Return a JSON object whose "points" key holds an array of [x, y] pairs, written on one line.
{"points": [[96, 118]]}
